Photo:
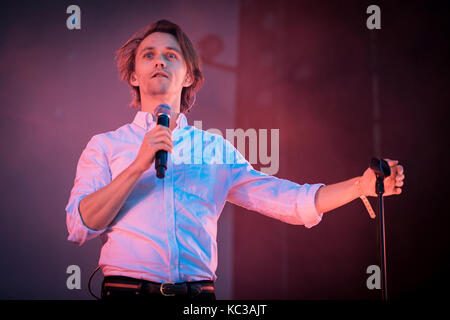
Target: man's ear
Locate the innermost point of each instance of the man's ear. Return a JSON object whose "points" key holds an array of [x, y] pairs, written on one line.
{"points": [[188, 81], [133, 80]]}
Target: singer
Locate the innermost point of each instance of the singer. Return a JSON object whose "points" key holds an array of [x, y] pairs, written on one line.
{"points": [[159, 234]]}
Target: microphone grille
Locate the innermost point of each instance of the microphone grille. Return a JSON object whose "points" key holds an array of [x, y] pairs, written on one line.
{"points": [[162, 108]]}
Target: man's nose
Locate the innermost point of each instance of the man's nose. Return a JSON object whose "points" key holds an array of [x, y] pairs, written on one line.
{"points": [[159, 61]]}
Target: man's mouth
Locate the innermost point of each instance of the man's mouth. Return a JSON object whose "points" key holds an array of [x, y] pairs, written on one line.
{"points": [[160, 74]]}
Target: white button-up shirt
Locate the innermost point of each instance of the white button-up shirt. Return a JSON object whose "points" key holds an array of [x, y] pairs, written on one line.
{"points": [[166, 231]]}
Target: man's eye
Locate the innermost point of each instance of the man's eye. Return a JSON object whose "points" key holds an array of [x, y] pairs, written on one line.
{"points": [[171, 56], [148, 55]]}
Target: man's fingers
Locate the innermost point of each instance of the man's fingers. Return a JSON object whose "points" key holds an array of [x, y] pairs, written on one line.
{"points": [[397, 170], [165, 140], [391, 162], [160, 128], [162, 146], [156, 141], [167, 129], [161, 133]]}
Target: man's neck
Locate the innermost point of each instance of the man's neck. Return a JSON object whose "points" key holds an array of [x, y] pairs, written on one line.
{"points": [[149, 105]]}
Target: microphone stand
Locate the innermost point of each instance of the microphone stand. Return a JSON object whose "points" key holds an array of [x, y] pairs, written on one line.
{"points": [[379, 189]]}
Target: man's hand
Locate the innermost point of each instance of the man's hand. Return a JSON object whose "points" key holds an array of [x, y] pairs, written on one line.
{"points": [[392, 184], [159, 138]]}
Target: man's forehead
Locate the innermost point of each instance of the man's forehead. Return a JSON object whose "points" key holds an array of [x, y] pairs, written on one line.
{"points": [[160, 40]]}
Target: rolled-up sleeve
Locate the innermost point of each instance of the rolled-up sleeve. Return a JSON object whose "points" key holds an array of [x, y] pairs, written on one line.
{"points": [[92, 174], [277, 198]]}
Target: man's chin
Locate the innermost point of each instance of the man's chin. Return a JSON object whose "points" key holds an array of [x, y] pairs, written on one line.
{"points": [[158, 92]]}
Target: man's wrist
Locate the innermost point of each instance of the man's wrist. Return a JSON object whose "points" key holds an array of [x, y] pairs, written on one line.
{"points": [[135, 168], [357, 186], [363, 197]]}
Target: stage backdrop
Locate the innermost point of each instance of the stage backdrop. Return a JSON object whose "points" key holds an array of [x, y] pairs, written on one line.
{"points": [[337, 92], [340, 94]]}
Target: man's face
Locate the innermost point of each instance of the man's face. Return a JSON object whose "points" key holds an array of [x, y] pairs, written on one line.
{"points": [[160, 53]]}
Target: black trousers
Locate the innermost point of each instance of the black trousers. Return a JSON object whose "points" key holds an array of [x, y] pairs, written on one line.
{"points": [[132, 293]]}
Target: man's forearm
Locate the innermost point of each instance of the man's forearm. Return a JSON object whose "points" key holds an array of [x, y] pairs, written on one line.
{"points": [[100, 207], [333, 196]]}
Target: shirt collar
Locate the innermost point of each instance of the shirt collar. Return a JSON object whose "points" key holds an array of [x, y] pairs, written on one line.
{"points": [[145, 120]]}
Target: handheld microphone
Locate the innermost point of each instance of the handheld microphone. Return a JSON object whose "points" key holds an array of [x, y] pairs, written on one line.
{"points": [[162, 112]]}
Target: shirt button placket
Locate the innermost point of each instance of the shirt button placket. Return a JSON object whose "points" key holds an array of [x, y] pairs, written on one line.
{"points": [[170, 214]]}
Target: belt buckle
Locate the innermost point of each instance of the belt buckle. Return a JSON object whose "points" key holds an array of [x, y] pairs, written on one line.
{"points": [[161, 288]]}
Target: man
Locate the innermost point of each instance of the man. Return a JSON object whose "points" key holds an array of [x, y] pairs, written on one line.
{"points": [[159, 235]]}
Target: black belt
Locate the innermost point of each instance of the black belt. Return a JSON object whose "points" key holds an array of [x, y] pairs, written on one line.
{"points": [[166, 289]]}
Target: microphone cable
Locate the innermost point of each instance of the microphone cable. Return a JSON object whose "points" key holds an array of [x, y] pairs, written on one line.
{"points": [[89, 283]]}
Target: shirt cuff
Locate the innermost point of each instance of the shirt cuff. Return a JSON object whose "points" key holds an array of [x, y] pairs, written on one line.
{"points": [[79, 231], [306, 205]]}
